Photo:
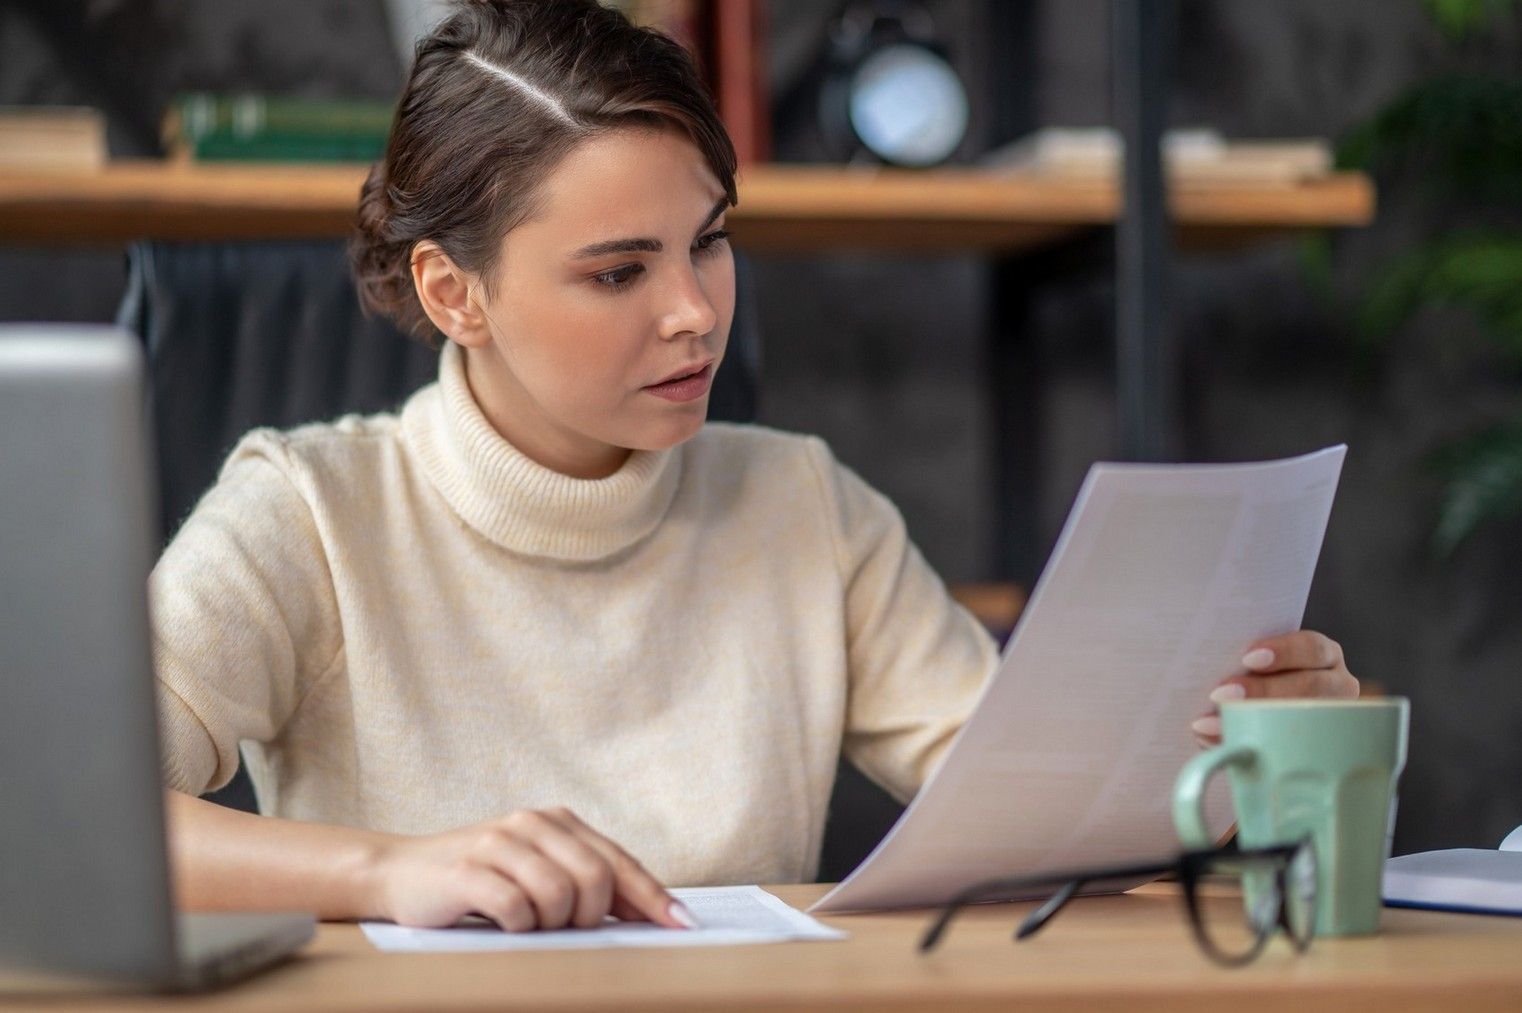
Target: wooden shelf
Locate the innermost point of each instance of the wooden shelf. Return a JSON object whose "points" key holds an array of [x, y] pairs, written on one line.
{"points": [[782, 207], [997, 605]]}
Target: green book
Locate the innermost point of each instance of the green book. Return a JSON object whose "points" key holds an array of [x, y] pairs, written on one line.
{"points": [[265, 128], [286, 148]]}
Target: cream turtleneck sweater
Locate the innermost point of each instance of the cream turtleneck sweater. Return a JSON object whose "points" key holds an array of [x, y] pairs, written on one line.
{"points": [[410, 626]]}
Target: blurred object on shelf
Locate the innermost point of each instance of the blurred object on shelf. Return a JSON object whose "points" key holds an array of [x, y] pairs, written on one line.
{"points": [[203, 127], [1199, 155], [890, 92], [740, 76], [410, 20], [727, 39], [52, 137]]}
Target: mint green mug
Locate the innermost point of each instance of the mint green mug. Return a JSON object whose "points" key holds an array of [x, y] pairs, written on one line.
{"points": [[1320, 768]]}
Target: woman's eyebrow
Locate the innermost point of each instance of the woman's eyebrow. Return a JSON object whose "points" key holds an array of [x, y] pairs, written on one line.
{"points": [[607, 246]]}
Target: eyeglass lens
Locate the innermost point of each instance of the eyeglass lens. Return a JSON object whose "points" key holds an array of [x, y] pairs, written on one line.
{"points": [[1300, 895], [1238, 901], [1236, 906]]}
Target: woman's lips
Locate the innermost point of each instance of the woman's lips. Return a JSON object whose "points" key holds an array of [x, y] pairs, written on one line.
{"points": [[684, 388]]}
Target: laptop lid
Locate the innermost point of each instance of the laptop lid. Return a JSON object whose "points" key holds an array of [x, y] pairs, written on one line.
{"points": [[84, 885]]}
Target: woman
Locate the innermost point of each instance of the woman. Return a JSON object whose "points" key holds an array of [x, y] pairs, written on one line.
{"points": [[544, 596]]}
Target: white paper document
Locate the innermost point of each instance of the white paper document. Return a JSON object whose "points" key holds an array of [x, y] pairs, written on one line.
{"points": [[1161, 578], [726, 916]]}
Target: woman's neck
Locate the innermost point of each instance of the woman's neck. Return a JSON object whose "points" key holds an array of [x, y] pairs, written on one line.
{"points": [[521, 422]]}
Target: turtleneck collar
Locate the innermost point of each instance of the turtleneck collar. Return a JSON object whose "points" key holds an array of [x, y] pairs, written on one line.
{"points": [[518, 504]]}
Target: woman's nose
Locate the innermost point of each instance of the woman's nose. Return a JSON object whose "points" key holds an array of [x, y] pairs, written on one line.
{"points": [[690, 310]]}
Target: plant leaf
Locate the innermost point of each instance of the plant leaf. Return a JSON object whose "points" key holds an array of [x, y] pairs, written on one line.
{"points": [[1461, 18], [1484, 483], [1478, 272], [1469, 124]]}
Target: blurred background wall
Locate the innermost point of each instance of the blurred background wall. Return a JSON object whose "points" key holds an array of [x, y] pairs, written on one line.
{"points": [[886, 356]]}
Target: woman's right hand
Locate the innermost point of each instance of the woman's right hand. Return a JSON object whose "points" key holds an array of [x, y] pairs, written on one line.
{"points": [[533, 869]]}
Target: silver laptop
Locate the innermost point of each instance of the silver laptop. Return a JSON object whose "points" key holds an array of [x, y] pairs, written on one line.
{"points": [[84, 879]]}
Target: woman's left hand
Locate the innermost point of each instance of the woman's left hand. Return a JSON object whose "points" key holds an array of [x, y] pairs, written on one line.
{"points": [[1300, 664]]}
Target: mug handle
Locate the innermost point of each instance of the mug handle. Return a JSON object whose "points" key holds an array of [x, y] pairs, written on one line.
{"points": [[1189, 791]]}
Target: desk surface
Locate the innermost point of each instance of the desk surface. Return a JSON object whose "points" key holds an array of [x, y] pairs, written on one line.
{"points": [[1132, 952], [782, 207]]}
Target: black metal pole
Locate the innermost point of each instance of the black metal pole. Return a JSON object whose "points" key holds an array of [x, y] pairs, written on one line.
{"points": [[1012, 365], [1146, 345]]}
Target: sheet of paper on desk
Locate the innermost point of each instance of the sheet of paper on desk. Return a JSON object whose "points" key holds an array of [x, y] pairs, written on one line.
{"points": [[727, 916], [1162, 576]]}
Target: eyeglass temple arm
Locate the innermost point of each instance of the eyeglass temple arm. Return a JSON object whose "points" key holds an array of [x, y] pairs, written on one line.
{"points": [[937, 930], [1038, 918], [1071, 886], [968, 896]]}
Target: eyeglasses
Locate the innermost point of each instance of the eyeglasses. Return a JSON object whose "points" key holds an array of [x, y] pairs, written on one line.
{"points": [[1277, 884]]}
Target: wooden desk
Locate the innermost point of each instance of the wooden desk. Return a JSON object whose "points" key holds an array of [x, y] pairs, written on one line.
{"points": [[1128, 952], [782, 207]]}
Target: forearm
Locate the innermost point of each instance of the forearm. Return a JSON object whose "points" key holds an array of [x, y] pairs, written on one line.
{"points": [[223, 859]]}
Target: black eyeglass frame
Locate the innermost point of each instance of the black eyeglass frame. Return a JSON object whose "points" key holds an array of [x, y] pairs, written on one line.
{"points": [[1189, 868]]}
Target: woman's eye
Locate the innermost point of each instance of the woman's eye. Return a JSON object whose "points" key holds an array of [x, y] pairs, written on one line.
{"points": [[619, 277], [712, 240]]}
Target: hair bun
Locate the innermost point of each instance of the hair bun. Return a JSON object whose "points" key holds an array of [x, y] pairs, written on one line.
{"points": [[382, 264]]}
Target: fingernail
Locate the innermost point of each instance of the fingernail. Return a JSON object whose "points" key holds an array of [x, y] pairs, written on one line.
{"points": [[1261, 658], [1210, 727], [1228, 691], [683, 917]]}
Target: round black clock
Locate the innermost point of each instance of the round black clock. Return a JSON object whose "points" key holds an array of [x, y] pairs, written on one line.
{"points": [[890, 92]]}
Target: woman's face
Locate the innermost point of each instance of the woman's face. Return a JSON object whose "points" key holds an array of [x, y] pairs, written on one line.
{"points": [[609, 309]]}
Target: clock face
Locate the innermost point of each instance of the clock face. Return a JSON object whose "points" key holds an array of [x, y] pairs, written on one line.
{"points": [[908, 106]]}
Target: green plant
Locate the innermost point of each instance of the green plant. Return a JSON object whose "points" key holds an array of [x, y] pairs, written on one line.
{"points": [[1460, 135], [1461, 18]]}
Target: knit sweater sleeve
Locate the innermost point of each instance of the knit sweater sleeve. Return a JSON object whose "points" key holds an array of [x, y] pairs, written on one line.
{"points": [[917, 659], [243, 613]]}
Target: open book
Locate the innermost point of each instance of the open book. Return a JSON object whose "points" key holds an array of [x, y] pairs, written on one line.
{"points": [[1459, 879]]}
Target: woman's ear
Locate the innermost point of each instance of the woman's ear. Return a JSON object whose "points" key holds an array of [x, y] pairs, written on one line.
{"points": [[446, 292]]}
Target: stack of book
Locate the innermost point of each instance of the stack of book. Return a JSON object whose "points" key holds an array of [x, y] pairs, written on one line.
{"points": [[51, 138], [1200, 156], [258, 128]]}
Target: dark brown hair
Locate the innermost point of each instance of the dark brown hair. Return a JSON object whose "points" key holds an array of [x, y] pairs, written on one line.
{"points": [[498, 94]]}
